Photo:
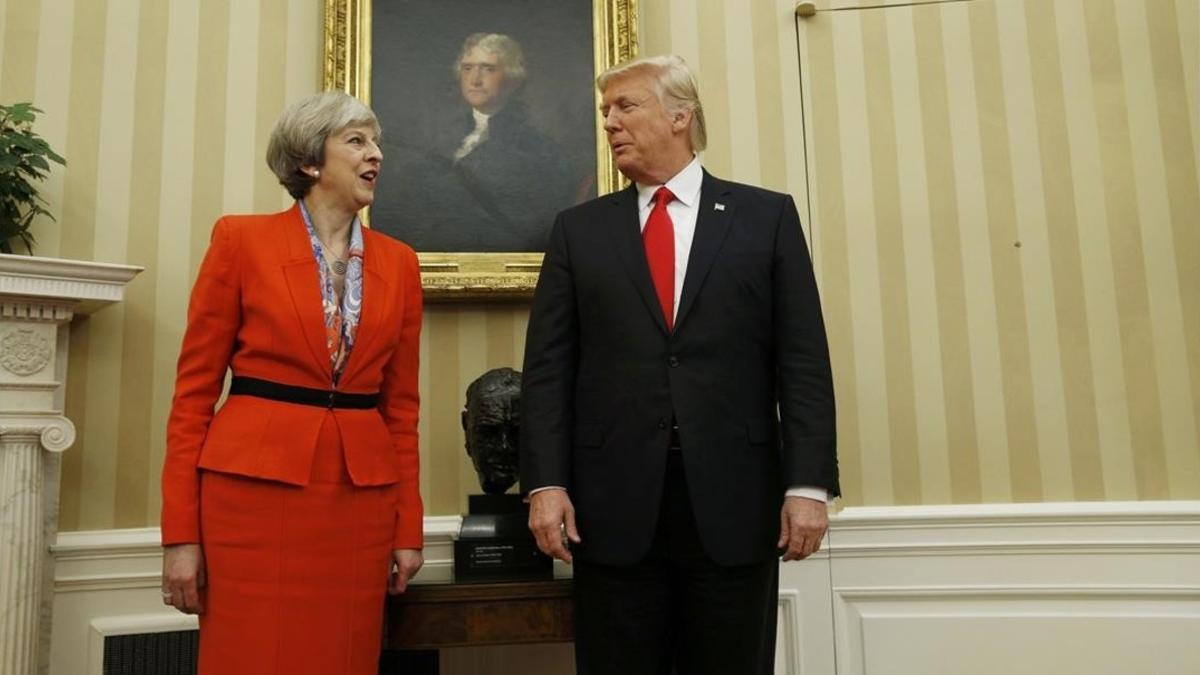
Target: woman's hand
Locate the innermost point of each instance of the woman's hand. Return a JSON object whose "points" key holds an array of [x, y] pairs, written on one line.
{"points": [[183, 577], [405, 563]]}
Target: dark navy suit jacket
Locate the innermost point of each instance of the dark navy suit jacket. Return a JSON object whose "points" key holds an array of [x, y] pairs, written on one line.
{"points": [[745, 374]]}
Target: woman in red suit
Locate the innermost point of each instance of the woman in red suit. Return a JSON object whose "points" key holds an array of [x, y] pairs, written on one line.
{"points": [[285, 512]]}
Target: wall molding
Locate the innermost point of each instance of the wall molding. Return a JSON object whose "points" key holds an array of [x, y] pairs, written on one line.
{"points": [[1068, 528], [990, 565], [1101, 528], [1044, 629], [1048, 592], [1039, 513], [75, 551], [1032, 588], [789, 635]]}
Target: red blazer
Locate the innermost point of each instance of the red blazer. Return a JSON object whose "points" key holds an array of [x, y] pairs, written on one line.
{"points": [[256, 308]]}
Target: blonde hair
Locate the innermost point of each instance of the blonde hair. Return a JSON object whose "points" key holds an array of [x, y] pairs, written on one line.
{"points": [[298, 139], [675, 86]]}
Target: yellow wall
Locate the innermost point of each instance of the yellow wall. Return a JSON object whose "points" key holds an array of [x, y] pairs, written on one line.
{"points": [[1006, 216], [967, 370]]}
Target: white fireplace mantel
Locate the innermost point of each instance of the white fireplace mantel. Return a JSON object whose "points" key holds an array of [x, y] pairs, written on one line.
{"points": [[38, 299], [89, 285]]}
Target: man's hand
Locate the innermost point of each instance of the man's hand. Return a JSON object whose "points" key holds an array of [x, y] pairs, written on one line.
{"points": [[551, 515], [406, 562], [183, 577], [802, 525]]}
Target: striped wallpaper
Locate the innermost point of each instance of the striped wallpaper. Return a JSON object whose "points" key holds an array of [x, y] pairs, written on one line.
{"points": [[924, 143], [1006, 216]]}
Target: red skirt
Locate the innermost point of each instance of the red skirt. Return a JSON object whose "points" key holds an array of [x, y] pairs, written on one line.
{"points": [[296, 575]]}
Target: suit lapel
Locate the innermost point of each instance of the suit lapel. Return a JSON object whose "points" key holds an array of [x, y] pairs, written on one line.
{"points": [[627, 236], [377, 296], [712, 224], [300, 271]]}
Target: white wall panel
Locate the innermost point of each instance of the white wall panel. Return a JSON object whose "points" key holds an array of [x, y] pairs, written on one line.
{"points": [[1055, 589]]}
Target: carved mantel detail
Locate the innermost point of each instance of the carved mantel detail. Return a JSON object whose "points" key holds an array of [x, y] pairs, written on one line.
{"points": [[24, 352], [38, 298]]}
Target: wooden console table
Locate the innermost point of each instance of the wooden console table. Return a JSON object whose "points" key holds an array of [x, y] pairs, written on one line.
{"points": [[430, 616]]}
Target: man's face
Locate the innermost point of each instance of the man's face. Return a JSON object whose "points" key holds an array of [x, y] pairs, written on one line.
{"points": [[645, 138], [481, 77], [492, 425]]}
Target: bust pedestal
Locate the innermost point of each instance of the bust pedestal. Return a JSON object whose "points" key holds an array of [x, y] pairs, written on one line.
{"points": [[494, 543], [38, 298]]}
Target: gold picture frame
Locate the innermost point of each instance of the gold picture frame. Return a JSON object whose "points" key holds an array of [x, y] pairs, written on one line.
{"points": [[475, 276]]}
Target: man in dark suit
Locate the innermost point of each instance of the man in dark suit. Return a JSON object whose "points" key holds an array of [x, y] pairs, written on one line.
{"points": [[677, 404]]}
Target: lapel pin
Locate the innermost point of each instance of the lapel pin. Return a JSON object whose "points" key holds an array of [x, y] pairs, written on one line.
{"points": [[719, 206]]}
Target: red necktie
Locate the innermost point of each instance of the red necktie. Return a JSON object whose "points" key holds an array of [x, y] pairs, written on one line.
{"points": [[659, 239]]}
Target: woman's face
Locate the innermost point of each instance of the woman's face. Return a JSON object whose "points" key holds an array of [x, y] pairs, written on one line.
{"points": [[352, 164]]}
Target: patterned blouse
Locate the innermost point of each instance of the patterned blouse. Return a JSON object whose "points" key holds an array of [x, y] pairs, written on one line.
{"points": [[341, 322]]}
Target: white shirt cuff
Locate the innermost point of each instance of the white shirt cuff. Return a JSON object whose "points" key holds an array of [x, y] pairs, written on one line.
{"points": [[814, 493], [546, 487]]}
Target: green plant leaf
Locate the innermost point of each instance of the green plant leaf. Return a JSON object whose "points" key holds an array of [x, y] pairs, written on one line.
{"points": [[22, 112], [24, 161]]}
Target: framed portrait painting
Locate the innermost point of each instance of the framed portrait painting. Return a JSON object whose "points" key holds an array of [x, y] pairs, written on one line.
{"points": [[490, 125]]}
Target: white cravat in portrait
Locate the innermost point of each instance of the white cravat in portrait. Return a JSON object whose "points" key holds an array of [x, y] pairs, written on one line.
{"points": [[473, 139]]}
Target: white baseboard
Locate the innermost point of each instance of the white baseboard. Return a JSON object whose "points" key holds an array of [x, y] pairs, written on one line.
{"points": [[1056, 588]]}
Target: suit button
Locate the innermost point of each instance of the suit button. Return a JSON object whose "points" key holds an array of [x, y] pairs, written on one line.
{"points": [[662, 423], [673, 361]]}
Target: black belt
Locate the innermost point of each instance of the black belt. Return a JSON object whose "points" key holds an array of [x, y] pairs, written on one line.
{"points": [[321, 398]]}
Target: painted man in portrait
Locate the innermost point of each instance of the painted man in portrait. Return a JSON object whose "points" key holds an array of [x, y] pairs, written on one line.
{"points": [[488, 180]]}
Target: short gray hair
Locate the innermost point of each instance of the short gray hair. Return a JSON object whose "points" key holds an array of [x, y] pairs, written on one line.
{"points": [[674, 84], [508, 50], [298, 139]]}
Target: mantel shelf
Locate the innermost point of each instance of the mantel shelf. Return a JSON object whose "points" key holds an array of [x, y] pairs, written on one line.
{"points": [[87, 285]]}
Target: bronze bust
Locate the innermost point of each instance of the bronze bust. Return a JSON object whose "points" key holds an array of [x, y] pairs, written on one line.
{"points": [[492, 422]]}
